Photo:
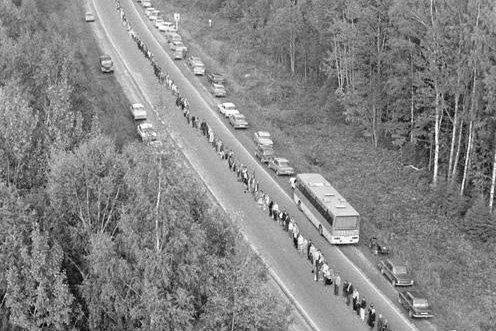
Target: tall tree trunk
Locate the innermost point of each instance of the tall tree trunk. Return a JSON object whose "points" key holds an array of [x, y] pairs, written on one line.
{"points": [[157, 206], [473, 106], [412, 101], [467, 157], [454, 170], [437, 127], [493, 178], [453, 138]]}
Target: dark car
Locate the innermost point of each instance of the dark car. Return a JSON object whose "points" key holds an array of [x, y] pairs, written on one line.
{"points": [[396, 274], [416, 304], [106, 64], [216, 78], [264, 153]]}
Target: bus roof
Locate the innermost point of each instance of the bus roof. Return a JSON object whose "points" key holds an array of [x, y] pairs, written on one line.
{"points": [[328, 195]]}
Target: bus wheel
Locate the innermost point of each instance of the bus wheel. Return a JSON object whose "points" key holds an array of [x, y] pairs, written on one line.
{"points": [[321, 231]]}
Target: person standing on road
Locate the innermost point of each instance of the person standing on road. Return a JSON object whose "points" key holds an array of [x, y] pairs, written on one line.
{"points": [[349, 293], [380, 322], [356, 297], [275, 211], [301, 243], [326, 274], [363, 305], [337, 284], [309, 248], [266, 201], [385, 326], [270, 205], [371, 316]]}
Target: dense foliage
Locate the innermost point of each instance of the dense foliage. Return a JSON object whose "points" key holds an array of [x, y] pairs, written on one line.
{"points": [[96, 237], [417, 74]]}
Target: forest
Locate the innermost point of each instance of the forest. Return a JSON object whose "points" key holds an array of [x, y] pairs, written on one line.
{"points": [[96, 231], [412, 74]]}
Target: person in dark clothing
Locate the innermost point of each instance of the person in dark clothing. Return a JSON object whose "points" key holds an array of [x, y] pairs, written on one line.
{"points": [[349, 292], [371, 316], [380, 322], [271, 203], [308, 249], [385, 326], [363, 305]]}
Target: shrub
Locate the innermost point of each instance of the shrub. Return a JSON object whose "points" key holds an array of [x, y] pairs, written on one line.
{"points": [[479, 223]]}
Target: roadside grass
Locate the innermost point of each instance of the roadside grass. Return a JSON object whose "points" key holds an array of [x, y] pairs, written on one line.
{"points": [[101, 92], [396, 202]]}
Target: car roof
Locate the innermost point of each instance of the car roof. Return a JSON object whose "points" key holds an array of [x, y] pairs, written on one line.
{"points": [[137, 105], [228, 104], [281, 159], [89, 13], [217, 85], [146, 125], [263, 133], [105, 56], [417, 294]]}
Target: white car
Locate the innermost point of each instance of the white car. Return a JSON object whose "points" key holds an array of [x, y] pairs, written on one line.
{"points": [[159, 21], [167, 27], [262, 138], [149, 10], [89, 17], [146, 3], [146, 132], [227, 109], [154, 15], [138, 111], [176, 44], [281, 166], [238, 121]]}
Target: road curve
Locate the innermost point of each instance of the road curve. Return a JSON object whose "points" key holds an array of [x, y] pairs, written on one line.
{"points": [[323, 309]]}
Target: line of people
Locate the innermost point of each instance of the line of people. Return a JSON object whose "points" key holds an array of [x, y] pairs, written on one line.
{"points": [[322, 271]]}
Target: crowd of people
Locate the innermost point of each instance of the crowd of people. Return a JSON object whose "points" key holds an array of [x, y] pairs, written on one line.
{"points": [[321, 268]]}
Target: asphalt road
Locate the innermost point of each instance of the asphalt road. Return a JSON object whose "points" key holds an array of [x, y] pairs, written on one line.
{"points": [[292, 271]]}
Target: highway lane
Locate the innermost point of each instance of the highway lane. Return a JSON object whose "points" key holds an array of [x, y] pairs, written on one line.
{"points": [[325, 310]]}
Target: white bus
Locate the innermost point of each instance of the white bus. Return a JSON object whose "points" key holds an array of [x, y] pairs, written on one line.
{"points": [[335, 218]]}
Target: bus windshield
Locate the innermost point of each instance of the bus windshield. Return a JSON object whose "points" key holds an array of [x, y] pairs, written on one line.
{"points": [[346, 222]]}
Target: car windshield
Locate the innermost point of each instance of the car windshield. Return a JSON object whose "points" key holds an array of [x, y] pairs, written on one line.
{"points": [[267, 151], [229, 106], [138, 106], [263, 134], [284, 164], [346, 222], [400, 270], [420, 303], [239, 117]]}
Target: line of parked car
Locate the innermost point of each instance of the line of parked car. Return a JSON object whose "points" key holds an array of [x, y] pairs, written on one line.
{"points": [[415, 302], [263, 142]]}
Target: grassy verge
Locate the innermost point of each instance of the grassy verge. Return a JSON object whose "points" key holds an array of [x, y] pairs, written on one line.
{"points": [[396, 202], [99, 91]]}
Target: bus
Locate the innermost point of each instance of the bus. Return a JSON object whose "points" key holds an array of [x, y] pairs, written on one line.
{"points": [[330, 213]]}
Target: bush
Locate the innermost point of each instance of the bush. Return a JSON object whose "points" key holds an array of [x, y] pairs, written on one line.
{"points": [[479, 223]]}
